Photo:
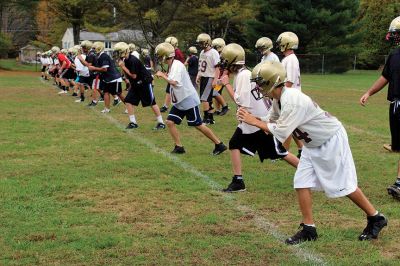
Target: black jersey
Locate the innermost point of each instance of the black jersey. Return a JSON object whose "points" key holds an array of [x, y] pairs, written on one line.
{"points": [[391, 72], [135, 66], [193, 65], [105, 61]]}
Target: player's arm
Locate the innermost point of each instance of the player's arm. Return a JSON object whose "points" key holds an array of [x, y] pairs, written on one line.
{"points": [[98, 69], [245, 116], [126, 70], [378, 85], [164, 76], [225, 82], [62, 67]]}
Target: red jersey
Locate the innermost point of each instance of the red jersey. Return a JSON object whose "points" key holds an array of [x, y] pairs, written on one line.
{"points": [[62, 58], [179, 55]]}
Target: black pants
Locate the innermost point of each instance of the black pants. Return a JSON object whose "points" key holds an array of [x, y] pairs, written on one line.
{"points": [[394, 120]]}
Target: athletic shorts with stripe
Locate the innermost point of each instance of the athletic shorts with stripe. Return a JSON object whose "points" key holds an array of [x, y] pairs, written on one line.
{"points": [[266, 145], [114, 88], [193, 116], [141, 93]]}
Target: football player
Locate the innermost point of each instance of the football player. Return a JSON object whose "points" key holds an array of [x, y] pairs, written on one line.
{"points": [[84, 77], [192, 63], [208, 60], [178, 56], [264, 46], [108, 74], [65, 71], [141, 85], [287, 43], [248, 139], [326, 163], [185, 99], [391, 75], [220, 104]]}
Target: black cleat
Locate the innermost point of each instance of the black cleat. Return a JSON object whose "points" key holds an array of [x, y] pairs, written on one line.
{"points": [[307, 233], [394, 191], [219, 148], [74, 94], [209, 121], [374, 226], [237, 185], [178, 150], [163, 109], [131, 125], [224, 110], [92, 104], [218, 112], [116, 102], [159, 126]]}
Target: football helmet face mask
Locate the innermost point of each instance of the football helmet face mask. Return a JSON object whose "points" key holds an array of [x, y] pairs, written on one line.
{"points": [[55, 50], [232, 55], [121, 50], [218, 44], [192, 50], [287, 41], [164, 51], [264, 44], [268, 76], [172, 40], [203, 40], [393, 34], [98, 47]]}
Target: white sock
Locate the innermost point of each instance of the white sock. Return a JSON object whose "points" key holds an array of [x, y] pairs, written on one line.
{"points": [[132, 118], [312, 225], [94, 101], [375, 213], [116, 98], [159, 119]]}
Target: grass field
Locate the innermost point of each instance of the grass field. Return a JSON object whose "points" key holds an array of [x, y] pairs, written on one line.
{"points": [[77, 189]]}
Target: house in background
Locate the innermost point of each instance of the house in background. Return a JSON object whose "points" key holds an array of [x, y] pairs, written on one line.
{"points": [[109, 39]]}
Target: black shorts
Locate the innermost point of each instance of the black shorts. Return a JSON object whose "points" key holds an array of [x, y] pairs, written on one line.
{"points": [[141, 93], [43, 68], [68, 73], [87, 81], [266, 145], [193, 116], [114, 88], [168, 88]]}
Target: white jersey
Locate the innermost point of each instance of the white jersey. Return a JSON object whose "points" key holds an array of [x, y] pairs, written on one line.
{"points": [[80, 68], [243, 96], [291, 64], [300, 115], [207, 62], [272, 57], [43, 61], [136, 54], [184, 87]]}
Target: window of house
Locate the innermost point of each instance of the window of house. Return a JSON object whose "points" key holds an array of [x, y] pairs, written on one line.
{"points": [[107, 44]]}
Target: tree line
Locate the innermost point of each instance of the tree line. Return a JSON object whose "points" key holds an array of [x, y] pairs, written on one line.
{"points": [[339, 29]]}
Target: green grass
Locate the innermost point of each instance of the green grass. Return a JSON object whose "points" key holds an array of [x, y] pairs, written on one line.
{"points": [[76, 189], [12, 64]]}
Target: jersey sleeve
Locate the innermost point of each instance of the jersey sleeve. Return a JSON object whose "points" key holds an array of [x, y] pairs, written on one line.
{"points": [[216, 58], [243, 90], [291, 71], [175, 74], [386, 68], [291, 117]]}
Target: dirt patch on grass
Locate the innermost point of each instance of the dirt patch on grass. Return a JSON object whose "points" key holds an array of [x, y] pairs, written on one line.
{"points": [[8, 73]]}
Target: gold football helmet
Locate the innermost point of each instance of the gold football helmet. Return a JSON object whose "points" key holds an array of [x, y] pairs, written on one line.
{"points": [[218, 44], [98, 47], [164, 51], [87, 45], [232, 54], [264, 44], [192, 50], [287, 41], [64, 51], [393, 34], [172, 40], [145, 52], [132, 47], [121, 50], [268, 75], [204, 40], [55, 49]]}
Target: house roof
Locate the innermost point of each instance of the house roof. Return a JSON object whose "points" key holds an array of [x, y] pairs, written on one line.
{"points": [[122, 35], [30, 47]]}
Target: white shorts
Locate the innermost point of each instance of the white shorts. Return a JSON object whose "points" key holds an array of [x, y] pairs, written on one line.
{"points": [[329, 168]]}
